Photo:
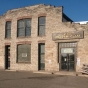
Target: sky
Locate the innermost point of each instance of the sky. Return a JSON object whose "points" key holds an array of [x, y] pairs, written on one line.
{"points": [[77, 10]]}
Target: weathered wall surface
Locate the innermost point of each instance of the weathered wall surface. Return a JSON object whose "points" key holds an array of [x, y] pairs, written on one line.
{"points": [[54, 24]]}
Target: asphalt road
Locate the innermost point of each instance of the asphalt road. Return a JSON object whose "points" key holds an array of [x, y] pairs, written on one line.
{"points": [[12, 79]]}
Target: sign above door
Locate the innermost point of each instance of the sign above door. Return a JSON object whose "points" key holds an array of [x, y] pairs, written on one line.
{"points": [[68, 35]]}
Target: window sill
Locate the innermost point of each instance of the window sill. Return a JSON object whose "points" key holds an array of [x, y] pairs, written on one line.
{"points": [[24, 37], [23, 62], [41, 35], [8, 38]]}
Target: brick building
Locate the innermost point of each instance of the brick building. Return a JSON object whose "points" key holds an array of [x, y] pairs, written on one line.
{"points": [[42, 37]]}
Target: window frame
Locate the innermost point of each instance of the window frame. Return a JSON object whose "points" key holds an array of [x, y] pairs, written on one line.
{"points": [[41, 25], [17, 61], [7, 29], [24, 28]]}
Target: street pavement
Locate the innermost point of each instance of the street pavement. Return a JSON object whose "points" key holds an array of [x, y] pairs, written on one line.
{"points": [[25, 79]]}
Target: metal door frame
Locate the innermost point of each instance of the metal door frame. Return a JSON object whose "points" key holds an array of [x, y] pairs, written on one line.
{"points": [[7, 59], [75, 55], [68, 62], [39, 58]]}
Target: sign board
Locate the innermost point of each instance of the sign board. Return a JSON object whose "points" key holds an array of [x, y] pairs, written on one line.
{"points": [[67, 50], [68, 35]]}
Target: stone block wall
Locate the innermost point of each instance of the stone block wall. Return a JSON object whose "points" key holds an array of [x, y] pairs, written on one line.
{"points": [[54, 24]]}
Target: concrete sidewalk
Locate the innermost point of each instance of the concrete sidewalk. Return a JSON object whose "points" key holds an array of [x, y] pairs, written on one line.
{"points": [[63, 73]]}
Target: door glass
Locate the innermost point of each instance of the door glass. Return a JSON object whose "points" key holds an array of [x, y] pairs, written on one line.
{"points": [[71, 62], [64, 61], [41, 56], [7, 57], [67, 59]]}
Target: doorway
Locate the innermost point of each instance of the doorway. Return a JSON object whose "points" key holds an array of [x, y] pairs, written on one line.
{"points": [[67, 56], [68, 62], [41, 56], [7, 57]]}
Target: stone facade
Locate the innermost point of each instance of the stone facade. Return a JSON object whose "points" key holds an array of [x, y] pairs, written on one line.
{"points": [[54, 24]]}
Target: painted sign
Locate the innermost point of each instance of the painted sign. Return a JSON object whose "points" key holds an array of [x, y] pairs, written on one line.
{"points": [[68, 35]]}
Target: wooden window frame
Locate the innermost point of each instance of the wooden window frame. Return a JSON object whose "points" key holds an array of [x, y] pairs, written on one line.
{"points": [[39, 33], [7, 29], [24, 61], [24, 28]]}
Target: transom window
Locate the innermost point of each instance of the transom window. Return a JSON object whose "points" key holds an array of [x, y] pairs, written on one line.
{"points": [[8, 29], [24, 28], [24, 53], [41, 26]]}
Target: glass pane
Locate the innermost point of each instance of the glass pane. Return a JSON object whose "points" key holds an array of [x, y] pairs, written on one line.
{"points": [[19, 52], [28, 22], [42, 48], [8, 25], [41, 30], [21, 32], [64, 61], [42, 58], [42, 66], [63, 57], [28, 50], [28, 31], [71, 57], [41, 20], [68, 44], [71, 62], [21, 24], [24, 53], [8, 33], [71, 66]]}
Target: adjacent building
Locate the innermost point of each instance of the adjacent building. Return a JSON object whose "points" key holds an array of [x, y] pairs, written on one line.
{"points": [[42, 37], [82, 22]]}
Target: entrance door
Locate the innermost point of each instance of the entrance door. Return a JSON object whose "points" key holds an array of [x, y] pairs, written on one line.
{"points": [[68, 59], [67, 54], [41, 56], [7, 57], [68, 62]]}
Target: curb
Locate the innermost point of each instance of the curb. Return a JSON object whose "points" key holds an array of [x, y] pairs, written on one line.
{"points": [[63, 74]]}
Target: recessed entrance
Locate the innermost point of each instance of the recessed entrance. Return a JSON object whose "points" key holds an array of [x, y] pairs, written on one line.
{"points": [[7, 57], [67, 54]]}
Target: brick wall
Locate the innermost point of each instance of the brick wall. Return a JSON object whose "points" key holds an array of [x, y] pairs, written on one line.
{"points": [[54, 24]]}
